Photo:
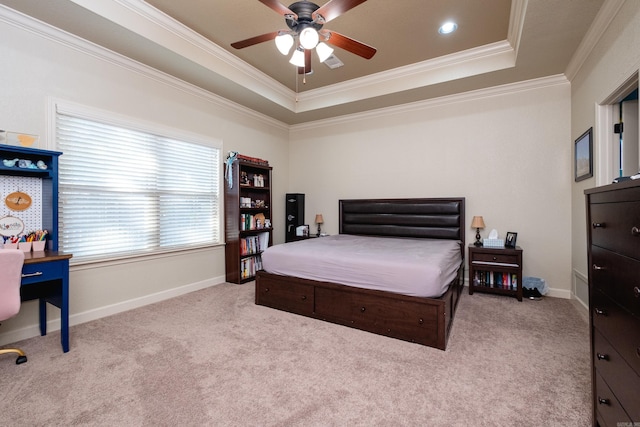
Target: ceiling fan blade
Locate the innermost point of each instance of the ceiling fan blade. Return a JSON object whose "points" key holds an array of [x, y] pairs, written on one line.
{"points": [[255, 40], [334, 8], [307, 63], [349, 44], [279, 8]]}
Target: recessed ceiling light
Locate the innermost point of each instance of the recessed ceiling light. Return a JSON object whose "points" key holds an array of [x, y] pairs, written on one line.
{"points": [[448, 27]]}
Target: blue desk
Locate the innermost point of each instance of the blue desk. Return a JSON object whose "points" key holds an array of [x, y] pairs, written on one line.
{"points": [[45, 277]]}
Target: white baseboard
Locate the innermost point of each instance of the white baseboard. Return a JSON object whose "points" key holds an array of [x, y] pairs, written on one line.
{"points": [[87, 316]]}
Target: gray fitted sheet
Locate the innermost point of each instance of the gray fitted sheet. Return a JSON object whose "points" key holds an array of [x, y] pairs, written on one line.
{"points": [[415, 267]]}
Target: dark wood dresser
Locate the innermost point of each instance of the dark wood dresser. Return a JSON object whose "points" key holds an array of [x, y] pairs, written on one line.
{"points": [[613, 221]]}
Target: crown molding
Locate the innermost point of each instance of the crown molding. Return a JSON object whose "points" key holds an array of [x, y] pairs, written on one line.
{"points": [[482, 59], [474, 95], [516, 23], [146, 21], [603, 19], [58, 36], [143, 19]]}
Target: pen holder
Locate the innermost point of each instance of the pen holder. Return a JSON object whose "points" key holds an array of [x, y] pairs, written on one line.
{"points": [[24, 246], [11, 246], [38, 245]]}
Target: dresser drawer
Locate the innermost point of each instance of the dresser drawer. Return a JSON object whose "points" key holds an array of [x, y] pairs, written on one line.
{"points": [[616, 226], [621, 328], [609, 409], [620, 378], [616, 276]]}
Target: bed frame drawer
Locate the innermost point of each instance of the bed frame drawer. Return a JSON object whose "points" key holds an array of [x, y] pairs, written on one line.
{"points": [[394, 317], [285, 295]]}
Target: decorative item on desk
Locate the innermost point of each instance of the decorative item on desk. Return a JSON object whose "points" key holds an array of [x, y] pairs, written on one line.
{"points": [[477, 223], [511, 238], [319, 221]]}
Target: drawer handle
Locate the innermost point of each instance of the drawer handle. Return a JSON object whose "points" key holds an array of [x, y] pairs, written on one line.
{"points": [[266, 289], [601, 356], [603, 401], [362, 309], [37, 273], [636, 292], [598, 268], [421, 321], [495, 259], [304, 297], [635, 231], [600, 312], [598, 225]]}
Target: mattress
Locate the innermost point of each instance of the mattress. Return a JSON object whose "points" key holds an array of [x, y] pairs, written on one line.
{"points": [[415, 267]]}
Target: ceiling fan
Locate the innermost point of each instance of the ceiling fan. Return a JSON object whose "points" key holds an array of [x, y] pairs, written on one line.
{"points": [[305, 21]]}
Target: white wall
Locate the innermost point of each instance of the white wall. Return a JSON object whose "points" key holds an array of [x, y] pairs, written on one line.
{"points": [[504, 149], [36, 69], [615, 59]]}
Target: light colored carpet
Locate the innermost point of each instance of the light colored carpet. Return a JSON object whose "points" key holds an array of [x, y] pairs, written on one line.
{"points": [[214, 358]]}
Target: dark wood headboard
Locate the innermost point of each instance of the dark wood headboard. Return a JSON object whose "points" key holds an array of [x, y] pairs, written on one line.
{"points": [[437, 218]]}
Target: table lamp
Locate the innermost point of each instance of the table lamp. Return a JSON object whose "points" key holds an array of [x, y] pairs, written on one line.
{"points": [[319, 221], [477, 223]]}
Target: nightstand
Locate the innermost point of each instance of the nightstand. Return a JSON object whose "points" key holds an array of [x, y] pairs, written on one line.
{"points": [[495, 270]]}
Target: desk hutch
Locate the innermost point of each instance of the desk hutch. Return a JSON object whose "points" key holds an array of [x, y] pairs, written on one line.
{"points": [[45, 275]]}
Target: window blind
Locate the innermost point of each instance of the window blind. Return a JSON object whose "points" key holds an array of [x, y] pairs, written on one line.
{"points": [[130, 192]]}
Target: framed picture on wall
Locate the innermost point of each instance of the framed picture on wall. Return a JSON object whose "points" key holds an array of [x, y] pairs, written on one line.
{"points": [[584, 156]]}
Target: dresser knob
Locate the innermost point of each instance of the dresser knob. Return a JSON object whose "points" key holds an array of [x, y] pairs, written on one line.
{"points": [[362, 309], [266, 289], [495, 259], [421, 321], [636, 292], [601, 356], [597, 267], [304, 297], [600, 312], [598, 225], [635, 231], [603, 401]]}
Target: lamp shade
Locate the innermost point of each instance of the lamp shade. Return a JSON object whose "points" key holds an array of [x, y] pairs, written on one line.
{"points": [[297, 58], [477, 222], [284, 43], [309, 38], [324, 51], [319, 219]]}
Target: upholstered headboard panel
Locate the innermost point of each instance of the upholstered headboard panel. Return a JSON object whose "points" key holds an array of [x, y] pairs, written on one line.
{"points": [[438, 218]]}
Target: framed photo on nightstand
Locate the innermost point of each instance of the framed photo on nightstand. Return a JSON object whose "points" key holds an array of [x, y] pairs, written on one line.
{"points": [[510, 240]]}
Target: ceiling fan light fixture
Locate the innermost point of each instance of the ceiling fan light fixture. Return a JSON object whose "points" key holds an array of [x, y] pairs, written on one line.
{"points": [[284, 43], [297, 58], [309, 38], [324, 51], [448, 27]]}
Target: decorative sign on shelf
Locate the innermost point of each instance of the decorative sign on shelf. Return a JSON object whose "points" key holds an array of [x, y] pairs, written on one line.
{"points": [[11, 226], [18, 201]]}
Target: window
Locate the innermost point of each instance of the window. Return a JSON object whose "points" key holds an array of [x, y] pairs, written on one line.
{"points": [[126, 191]]}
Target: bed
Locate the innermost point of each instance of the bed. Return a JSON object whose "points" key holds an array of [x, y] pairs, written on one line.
{"points": [[362, 300]]}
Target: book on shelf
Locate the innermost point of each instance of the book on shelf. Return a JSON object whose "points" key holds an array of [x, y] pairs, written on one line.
{"points": [[249, 266], [495, 279]]}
